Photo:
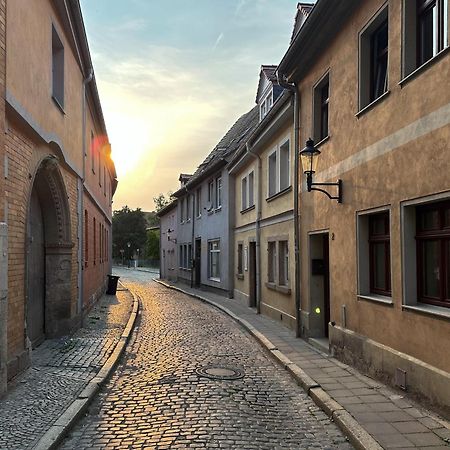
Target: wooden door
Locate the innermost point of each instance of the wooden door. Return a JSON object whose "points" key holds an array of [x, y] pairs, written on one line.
{"points": [[36, 274]]}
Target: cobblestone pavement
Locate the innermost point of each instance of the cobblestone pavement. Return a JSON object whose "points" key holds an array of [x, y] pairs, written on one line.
{"points": [[60, 370], [157, 399]]}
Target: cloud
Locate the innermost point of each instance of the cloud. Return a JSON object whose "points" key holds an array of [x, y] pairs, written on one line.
{"points": [[218, 40]]}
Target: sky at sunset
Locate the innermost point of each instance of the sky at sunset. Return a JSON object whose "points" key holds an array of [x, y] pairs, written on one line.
{"points": [[173, 76]]}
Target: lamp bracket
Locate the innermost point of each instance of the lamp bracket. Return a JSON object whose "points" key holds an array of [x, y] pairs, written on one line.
{"points": [[338, 184]]}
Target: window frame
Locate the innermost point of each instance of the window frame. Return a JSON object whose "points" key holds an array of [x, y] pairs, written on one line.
{"points": [[320, 104], [441, 235], [277, 151], [377, 239], [240, 259], [210, 252], [248, 201], [218, 192], [198, 202]]}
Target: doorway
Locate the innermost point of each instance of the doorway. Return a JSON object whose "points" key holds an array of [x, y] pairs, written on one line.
{"points": [[36, 274], [319, 285], [49, 290], [252, 274], [198, 262]]}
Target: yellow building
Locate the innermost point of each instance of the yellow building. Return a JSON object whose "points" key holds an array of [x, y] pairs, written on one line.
{"points": [[263, 172], [374, 92]]}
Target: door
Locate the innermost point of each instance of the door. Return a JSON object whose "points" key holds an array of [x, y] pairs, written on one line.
{"points": [[326, 284], [198, 262], [252, 274], [36, 274]]}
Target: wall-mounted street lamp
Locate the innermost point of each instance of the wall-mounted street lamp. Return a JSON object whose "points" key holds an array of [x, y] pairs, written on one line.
{"points": [[309, 156]]}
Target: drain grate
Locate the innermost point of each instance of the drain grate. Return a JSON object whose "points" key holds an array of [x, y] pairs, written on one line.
{"points": [[216, 372]]}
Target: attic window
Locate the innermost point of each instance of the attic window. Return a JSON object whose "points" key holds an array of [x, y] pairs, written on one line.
{"points": [[265, 105]]}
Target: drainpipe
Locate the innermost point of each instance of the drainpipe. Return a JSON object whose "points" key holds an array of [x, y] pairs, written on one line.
{"points": [[294, 89], [81, 182], [193, 236], [258, 229]]}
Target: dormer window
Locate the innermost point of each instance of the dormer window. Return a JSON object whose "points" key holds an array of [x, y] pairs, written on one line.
{"points": [[265, 106]]}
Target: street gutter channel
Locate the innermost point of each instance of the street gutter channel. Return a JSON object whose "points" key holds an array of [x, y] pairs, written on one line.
{"points": [[59, 430]]}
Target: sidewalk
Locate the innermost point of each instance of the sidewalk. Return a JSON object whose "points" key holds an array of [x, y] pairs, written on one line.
{"points": [[372, 414], [42, 402]]}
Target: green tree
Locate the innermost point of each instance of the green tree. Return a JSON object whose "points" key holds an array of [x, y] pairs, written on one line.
{"points": [[161, 201], [152, 245], [129, 227]]}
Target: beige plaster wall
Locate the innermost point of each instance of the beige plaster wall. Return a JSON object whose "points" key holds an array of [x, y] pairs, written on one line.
{"points": [[29, 73], [415, 164]]}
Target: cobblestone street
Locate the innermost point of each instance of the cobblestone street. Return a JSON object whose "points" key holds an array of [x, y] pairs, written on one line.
{"points": [[158, 397]]}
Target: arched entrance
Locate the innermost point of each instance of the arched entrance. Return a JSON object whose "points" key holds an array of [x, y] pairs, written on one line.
{"points": [[49, 256]]}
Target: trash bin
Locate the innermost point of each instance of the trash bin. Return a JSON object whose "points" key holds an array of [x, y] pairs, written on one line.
{"points": [[112, 284]]}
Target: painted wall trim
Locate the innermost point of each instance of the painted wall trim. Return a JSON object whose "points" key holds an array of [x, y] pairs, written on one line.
{"points": [[267, 222], [278, 310], [47, 137], [431, 122]]}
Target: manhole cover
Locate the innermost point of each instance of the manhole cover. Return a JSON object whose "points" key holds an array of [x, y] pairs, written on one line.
{"points": [[220, 372]]}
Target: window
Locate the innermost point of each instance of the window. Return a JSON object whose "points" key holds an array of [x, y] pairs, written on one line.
{"points": [[425, 31], [321, 108], [214, 260], [244, 193], [218, 192], [379, 254], [189, 256], [278, 170], [181, 256], [272, 261], [57, 69], [273, 179], [433, 254], [86, 238], [182, 210], [92, 152], [104, 181], [265, 106], [283, 263], [247, 191], [240, 256], [210, 195], [374, 254], [373, 70], [198, 202], [188, 208], [100, 241]]}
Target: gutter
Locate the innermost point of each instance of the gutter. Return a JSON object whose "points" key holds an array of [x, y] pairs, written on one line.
{"points": [[294, 89], [258, 227]]}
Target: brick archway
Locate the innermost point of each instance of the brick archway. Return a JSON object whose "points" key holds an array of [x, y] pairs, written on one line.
{"points": [[49, 255]]}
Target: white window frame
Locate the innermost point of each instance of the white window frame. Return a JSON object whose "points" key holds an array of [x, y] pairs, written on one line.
{"points": [[198, 202], [210, 252], [277, 150], [211, 189], [218, 192], [246, 180], [188, 207]]}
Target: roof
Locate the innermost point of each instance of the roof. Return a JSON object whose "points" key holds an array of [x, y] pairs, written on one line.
{"points": [[226, 147], [319, 28], [167, 208], [303, 10], [269, 73]]}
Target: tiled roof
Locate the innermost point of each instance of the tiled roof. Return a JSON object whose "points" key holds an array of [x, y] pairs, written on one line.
{"points": [[270, 73], [228, 145], [303, 10]]}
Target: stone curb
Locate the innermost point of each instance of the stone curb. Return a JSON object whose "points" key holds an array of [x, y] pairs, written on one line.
{"points": [[356, 434], [53, 437]]}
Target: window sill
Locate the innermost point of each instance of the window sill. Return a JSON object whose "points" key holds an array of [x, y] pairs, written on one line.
{"points": [[240, 276], [250, 208], [218, 209], [323, 141], [58, 104], [279, 194], [423, 67], [372, 104], [438, 311], [282, 289], [216, 280], [377, 299], [199, 217]]}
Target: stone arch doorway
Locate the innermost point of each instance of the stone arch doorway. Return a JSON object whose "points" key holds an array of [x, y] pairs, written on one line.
{"points": [[49, 256]]}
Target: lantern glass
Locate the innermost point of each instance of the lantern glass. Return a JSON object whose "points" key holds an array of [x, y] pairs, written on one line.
{"points": [[309, 157]]}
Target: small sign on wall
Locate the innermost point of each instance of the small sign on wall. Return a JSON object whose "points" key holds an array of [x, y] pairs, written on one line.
{"points": [[246, 259]]}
